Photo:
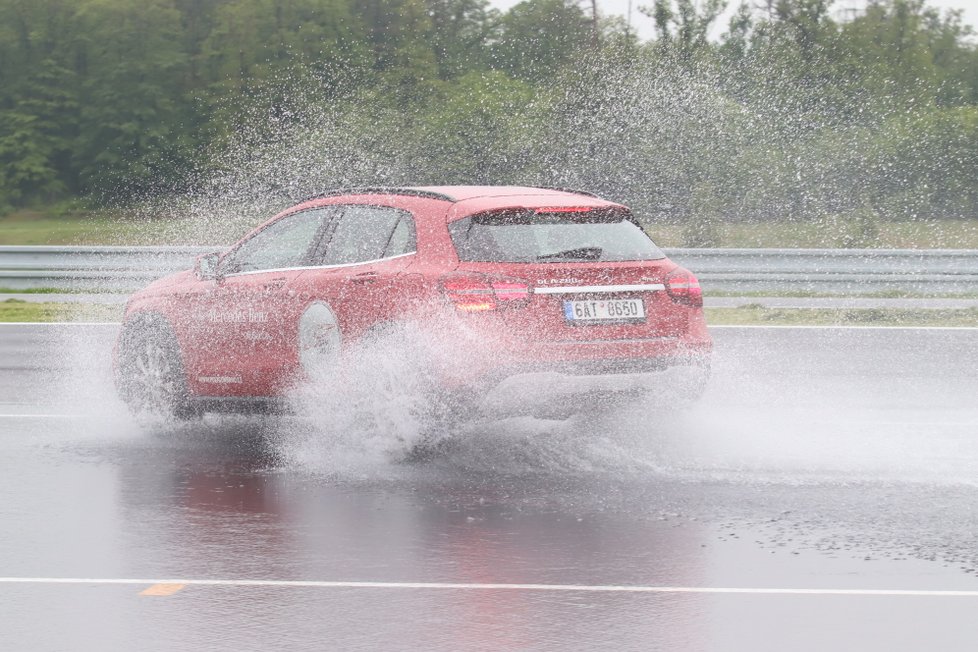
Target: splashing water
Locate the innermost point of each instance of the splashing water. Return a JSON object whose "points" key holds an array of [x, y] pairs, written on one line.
{"points": [[642, 136], [768, 417]]}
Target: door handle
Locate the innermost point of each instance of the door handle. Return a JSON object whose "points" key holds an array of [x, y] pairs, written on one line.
{"points": [[275, 283], [366, 277]]}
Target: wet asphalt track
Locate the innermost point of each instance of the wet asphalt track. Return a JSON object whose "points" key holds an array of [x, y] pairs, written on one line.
{"points": [[830, 476]]}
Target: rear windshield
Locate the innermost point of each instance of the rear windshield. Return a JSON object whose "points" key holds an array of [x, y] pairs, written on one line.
{"points": [[531, 237]]}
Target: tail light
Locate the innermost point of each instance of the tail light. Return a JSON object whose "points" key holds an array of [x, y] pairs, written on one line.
{"points": [[684, 288], [478, 293], [564, 209]]}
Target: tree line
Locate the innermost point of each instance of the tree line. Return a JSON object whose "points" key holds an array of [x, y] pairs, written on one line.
{"points": [[792, 110]]}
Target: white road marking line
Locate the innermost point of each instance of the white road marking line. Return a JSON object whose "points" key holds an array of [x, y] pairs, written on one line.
{"points": [[839, 327], [711, 326], [61, 323], [467, 586], [947, 424], [888, 424]]}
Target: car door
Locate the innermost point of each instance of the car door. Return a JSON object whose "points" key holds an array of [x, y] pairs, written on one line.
{"points": [[243, 323], [354, 284]]}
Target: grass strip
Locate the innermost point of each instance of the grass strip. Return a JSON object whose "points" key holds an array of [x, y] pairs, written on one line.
{"points": [[856, 293], [754, 314], [29, 229], [17, 310], [4, 290]]}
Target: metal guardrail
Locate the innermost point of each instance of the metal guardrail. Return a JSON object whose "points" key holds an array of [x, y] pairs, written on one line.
{"points": [[91, 268], [834, 271], [830, 271]]}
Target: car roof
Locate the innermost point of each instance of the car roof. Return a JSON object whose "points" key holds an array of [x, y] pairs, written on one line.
{"points": [[469, 200], [462, 193], [458, 193]]}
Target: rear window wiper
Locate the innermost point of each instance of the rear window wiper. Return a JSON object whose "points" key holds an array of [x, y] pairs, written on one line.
{"points": [[581, 253]]}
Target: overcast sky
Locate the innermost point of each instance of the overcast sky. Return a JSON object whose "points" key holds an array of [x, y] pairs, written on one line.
{"points": [[643, 24]]}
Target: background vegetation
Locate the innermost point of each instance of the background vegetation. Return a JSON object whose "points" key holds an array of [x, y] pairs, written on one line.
{"points": [[235, 106]]}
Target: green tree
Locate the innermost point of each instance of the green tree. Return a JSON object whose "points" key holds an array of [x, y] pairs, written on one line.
{"points": [[461, 33], [38, 101], [539, 38], [702, 225], [130, 117], [684, 28], [256, 40], [399, 34], [887, 49], [476, 130]]}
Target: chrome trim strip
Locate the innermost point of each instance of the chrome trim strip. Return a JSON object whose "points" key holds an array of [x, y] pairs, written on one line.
{"points": [[295, 269], [595, 289], [220, 380], [634, 340]]}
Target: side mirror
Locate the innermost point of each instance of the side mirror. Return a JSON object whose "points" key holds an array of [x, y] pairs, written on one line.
{"points": [[205, 267]]}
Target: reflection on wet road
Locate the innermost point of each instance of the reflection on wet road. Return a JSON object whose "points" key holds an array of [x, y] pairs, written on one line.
{"points": [[819, 459]]}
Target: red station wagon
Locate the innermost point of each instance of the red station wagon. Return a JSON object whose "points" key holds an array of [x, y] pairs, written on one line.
{"points": [[538, 280]]}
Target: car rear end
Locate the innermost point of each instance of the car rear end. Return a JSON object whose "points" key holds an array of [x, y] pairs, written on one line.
{"points": [[573, 285]]}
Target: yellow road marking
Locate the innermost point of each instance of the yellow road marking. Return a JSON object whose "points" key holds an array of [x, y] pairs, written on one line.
{"points": [[162, 589]]}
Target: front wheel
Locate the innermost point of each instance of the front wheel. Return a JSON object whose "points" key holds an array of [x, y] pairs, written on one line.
{"points": [[150, 374]]}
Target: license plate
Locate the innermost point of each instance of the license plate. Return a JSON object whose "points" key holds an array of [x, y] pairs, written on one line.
{"points": [[604, 310]]}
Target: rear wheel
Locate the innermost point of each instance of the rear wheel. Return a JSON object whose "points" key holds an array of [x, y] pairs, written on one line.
{"points": [[674, 389], [151, 376], [687, 384], [400, 390]]}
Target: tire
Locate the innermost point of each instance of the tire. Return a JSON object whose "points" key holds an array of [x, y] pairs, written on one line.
{"points": [[150, 374], [697, 380], [679, 388], [689, 384]]}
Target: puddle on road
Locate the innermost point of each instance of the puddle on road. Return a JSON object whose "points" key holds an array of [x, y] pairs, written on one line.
{"points": [[753, 426], [812, 465]]}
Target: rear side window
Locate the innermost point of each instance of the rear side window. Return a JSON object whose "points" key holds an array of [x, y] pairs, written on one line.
{"points": [[402, 240], [366, 233], [531, 237]]}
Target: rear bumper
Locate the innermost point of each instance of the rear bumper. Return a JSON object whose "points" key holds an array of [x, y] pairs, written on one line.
{"points": [[483, 349], [592, 367], [562, 389], [598, 367]]}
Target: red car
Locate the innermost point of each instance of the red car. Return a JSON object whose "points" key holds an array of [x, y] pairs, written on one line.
{"points": [[512, 280]]}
